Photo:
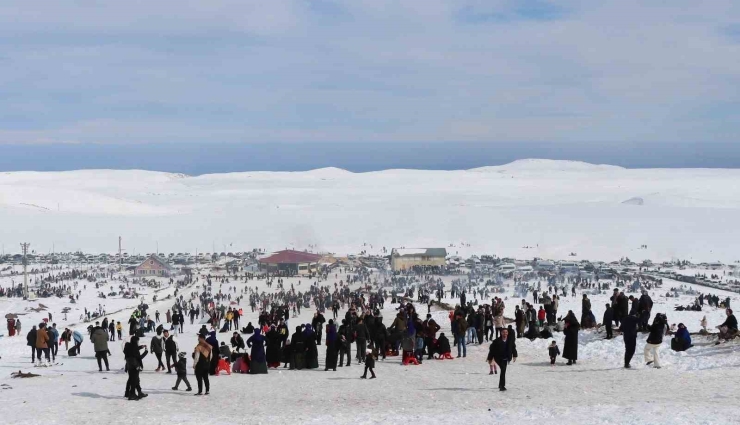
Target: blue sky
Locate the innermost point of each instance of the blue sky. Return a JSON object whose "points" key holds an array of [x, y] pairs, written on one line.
{"points": [[651, 74]]}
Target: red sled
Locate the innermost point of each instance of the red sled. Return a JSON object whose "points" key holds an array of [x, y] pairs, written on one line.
{"points": [[408, 358], [391, 353], [445, 356], [223, 366]]}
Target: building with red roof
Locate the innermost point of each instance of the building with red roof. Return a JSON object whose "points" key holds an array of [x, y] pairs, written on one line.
{"points": [[291, 262]]}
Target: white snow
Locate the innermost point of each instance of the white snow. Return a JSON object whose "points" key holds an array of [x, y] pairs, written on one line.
{"points": [[526, 209], [552, 207], [699, 383]]}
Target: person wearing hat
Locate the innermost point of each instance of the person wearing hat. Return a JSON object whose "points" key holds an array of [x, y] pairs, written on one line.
{"points": [[181, 367]]}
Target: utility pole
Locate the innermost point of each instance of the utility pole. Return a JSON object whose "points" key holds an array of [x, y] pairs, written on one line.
{"points": [[120, 256], [24, 248]]}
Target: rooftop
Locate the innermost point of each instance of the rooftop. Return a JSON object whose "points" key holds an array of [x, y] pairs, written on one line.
{"points": [[290, 257], [430, 252]]}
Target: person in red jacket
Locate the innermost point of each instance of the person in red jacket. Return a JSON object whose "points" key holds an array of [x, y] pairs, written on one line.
{"points": [[541, 316]]}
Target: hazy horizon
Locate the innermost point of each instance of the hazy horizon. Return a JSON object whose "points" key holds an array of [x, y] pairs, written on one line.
{"points": [[196, 159]]}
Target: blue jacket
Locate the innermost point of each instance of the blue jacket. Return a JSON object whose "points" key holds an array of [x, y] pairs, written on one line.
{"points": [[683, 334]]}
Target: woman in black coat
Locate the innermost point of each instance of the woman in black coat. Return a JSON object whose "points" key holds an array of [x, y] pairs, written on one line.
{"points": [[570, 348], [298, 350], [312, 353], [332, 350], [273, 347]]}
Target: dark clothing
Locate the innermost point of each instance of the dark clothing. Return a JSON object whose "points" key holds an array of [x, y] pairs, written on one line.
{"points": [[730, 322], [274, 341], [500, 352], [570, 347], [629, 333]]}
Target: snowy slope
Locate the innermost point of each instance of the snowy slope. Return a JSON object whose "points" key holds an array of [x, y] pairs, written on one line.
{"points": [[558, 207], [597, 391]]}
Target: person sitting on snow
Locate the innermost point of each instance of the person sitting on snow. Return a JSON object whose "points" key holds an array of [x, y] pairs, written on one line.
{"points": [[682, 340], [728, 329]]}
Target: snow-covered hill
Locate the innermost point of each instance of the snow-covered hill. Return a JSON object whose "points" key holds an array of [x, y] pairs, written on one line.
{"points": [[557, 207]]}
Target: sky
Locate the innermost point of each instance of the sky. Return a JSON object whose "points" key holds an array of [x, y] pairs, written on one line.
{"points": [[488, 80]]}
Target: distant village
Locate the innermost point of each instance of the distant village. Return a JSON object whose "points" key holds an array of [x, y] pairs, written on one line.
{"points": [[398, 261]]}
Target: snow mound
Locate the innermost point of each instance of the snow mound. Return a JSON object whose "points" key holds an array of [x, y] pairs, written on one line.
{"points": [[548, 165], [634, 201]]}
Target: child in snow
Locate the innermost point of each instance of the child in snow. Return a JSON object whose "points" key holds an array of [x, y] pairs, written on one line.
{"points": [[554, 352], [703, 324], [181, 367], [370, 361], [419, 349]]}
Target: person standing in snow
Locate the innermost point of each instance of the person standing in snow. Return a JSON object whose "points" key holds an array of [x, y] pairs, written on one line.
{"points": [[156, 346], [553, 351], [629, 333], [655, 339], [31, 342], [170, 350], [42, 343], [134, 365], [201, 364], [370, 357], [607, 322], [570, 348], [99, 338]]}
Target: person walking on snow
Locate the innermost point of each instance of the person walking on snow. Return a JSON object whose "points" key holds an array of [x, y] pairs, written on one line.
{"points": [[553, 351], [500, 352], [181, 367]]}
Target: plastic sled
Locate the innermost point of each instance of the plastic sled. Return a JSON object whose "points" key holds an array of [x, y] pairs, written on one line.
{"points": [[223, 366]]}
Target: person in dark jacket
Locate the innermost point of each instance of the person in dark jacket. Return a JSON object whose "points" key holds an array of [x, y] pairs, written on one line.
{"points": [[299, 349], [655, 339], [202, 363], [31, 342], [512, 343], [608, 319], [213, 341], [629, 327], [237, 342], [156, 346], [259, 361], [370, 356], [312, 353], [344, 339], [134, 365], [170, 350], [585, 308], [570, 347], [317, 323], [443, 344], [273, 347], [181, 367], [361, 338], [381, 334], [553, 351], [332, 351], [682, 340], [644, 306], [499, 352], [728, 329]]}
